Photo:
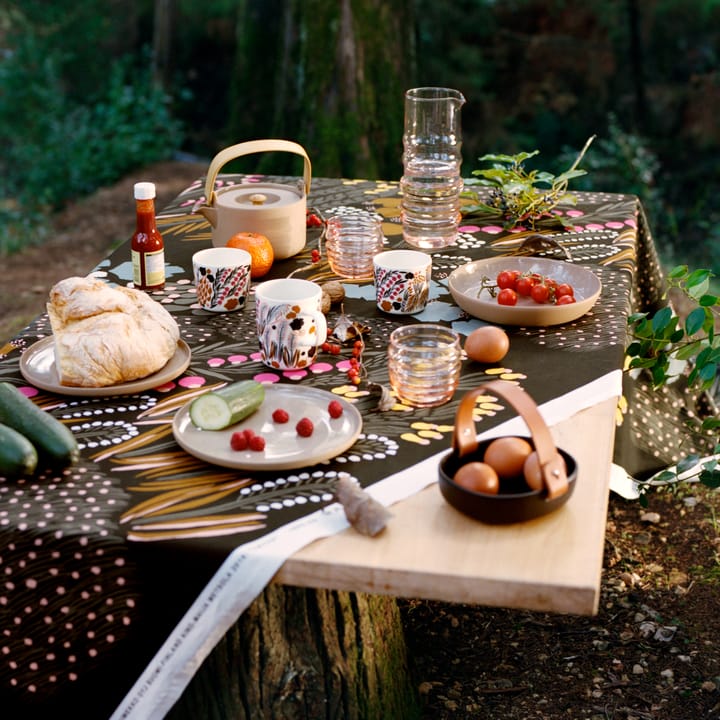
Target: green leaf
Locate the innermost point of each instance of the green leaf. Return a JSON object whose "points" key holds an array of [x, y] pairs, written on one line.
{"points": [[697, 283], [636, 317], [569, 175], [642, 362], [689, 350], [709, 300], [694, 321], [659, 375], [698, 277], [661, 319], [544, 177], [633, 349], [676, 336], [678, 271], [666, 476], [708, 372], [521, 157], [710, 479], [711, 423], [687, 463]]}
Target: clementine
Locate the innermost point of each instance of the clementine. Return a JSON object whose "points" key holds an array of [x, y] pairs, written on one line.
{"points": [[260, 248]]}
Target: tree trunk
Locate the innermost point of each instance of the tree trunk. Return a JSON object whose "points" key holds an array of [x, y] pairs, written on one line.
{"points": [[330, 75], [162, 42], [299, 654]]}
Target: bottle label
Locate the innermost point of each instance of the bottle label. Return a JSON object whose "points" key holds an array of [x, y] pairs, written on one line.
{"points": [[154, 263]]}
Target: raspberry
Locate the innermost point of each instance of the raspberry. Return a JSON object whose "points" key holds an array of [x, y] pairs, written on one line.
{"points": [[305, 427], [248, 433], [257, 442], [238, 441], [335, 409], [280, 416]]}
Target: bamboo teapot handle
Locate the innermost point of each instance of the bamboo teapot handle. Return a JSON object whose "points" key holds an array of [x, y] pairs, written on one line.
{"points": [[249, 148]]}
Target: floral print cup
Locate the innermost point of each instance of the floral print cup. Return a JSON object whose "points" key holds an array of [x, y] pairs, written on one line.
{"points": [[290, 325], [222, 278], [402, 281]]}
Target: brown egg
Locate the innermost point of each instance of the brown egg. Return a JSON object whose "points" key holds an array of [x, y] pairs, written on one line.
{"points": [[478, 477], [507, 456], [532, 472], [488, 344]]}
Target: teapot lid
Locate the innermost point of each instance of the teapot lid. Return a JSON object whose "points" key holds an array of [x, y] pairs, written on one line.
{"points": [[257, 196]]}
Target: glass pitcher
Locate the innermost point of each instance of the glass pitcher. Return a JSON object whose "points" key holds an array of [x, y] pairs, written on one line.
{"points": [[431, 182]]}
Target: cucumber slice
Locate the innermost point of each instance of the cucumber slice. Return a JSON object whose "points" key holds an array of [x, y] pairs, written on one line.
{"points": [[218, 409], [18, 455]]}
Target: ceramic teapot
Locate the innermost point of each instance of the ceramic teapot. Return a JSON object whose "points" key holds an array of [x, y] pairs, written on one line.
{"points": [[275, 210]]}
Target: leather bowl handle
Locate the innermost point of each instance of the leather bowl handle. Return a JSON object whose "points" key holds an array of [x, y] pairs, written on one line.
{"points": [[465, 441], [249, 148]]}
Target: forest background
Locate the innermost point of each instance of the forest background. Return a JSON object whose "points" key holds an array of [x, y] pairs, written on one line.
{"points": [[91, 91]]}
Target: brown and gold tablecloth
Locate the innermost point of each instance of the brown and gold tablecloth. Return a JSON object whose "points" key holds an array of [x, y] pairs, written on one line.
{"points": [[95, 573]]}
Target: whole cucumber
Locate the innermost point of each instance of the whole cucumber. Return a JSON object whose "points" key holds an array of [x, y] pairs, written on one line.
{"points": [[54, 442], [18, 455]]}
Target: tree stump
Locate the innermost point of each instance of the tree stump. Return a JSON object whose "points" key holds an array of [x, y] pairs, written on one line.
{"points": [[304, 654]]}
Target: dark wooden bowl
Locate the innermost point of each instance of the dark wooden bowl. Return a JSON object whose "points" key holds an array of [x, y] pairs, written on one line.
{"points": [[515, 502]]}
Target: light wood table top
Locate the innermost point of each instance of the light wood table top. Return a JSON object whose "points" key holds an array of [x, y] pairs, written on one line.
{"points": [[429, 550]]}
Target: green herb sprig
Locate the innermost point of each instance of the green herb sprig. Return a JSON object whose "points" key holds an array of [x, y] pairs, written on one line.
{"points": [[520, 196]]}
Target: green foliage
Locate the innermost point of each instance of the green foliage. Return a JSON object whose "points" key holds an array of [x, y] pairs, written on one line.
{"points": [[57, 148], [662, 337], [691, 468], [519, 195]]}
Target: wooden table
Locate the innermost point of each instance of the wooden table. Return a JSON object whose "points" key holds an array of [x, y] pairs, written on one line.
{"points": [[430, 550], [327, 632]]}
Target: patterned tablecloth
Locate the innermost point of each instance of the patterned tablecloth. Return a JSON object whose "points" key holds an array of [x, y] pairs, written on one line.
{"points": [[100, 563]]}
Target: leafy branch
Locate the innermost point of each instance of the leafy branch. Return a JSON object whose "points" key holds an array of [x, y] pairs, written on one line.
{"points": [[518, 195], [662, 338]]}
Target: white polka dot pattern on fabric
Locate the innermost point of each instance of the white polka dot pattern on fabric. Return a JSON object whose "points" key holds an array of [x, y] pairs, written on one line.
{"points": [[79, 589]]}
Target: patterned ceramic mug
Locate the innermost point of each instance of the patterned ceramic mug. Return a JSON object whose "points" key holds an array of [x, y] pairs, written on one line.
{"points": [[402, 281], [290, 325], [222, 278]]}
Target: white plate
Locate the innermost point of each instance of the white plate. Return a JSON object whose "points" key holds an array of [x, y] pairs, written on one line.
{"points": [[37, 365], [284, 448], [465, 282]]}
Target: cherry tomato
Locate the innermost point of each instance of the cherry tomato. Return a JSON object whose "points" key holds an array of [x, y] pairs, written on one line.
{"points": [[565, 300], [507, 279], [507, 296], [540, 293], [564, 289], [524, 286]]}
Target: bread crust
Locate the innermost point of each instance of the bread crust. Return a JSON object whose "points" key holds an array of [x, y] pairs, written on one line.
{"points": [[108, 335]]}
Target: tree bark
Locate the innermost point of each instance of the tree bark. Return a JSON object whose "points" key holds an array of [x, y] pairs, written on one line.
{"points": [[330, 75], [162, 42], [300, 654]]}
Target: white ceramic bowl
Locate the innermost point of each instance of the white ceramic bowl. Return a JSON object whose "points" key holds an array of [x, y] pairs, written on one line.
{"points": [[465, 283]]}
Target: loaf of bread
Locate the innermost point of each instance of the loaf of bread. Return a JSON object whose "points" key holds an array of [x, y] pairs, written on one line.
{"points": [[108, 335]]}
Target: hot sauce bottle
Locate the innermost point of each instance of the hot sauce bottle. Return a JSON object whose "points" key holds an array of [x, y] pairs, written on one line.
{"points": [[147, 247]]}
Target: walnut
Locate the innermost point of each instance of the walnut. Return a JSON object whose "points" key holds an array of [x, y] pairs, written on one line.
{"points": [[325, 302], [332, 292]]}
